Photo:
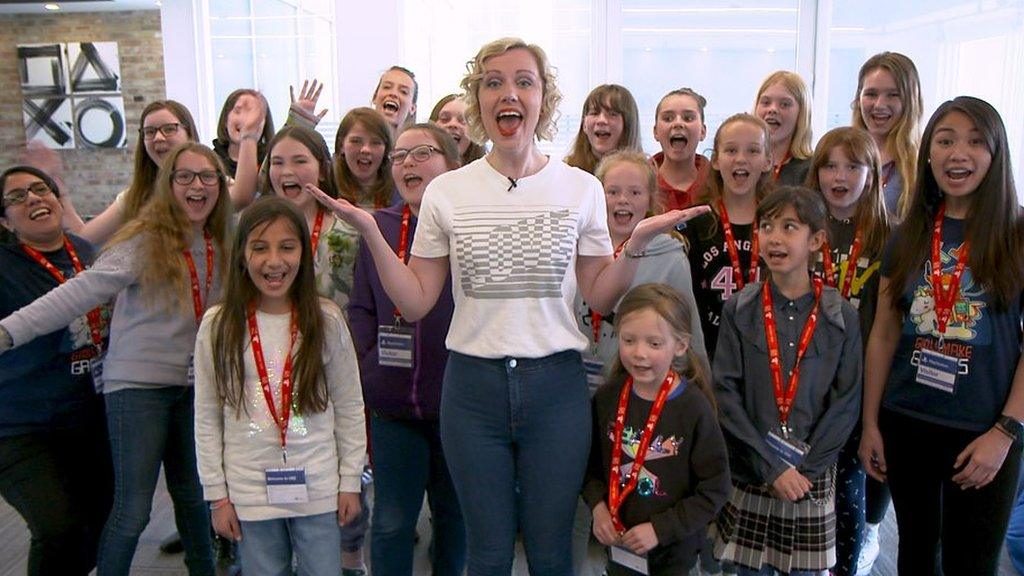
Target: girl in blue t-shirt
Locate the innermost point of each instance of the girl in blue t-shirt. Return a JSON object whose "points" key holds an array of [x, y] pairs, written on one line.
{"points": [[944, 383]]}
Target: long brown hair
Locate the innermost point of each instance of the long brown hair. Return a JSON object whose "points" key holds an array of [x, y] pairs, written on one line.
{"points": [[612, 97], [475, 151], [317, 147], [167, 233], [870, 215], [993, 224], [666, 302], [145, 170], [904, 139], [230, 329], [348, 187]]}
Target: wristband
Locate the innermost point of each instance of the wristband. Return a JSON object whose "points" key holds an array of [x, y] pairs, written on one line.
{"points": [[250, 137], [218, 504], [1009, 426], [630, 253]]}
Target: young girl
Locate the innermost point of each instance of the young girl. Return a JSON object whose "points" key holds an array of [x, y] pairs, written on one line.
{"points": [[610, 122], [395, 96], [723, 245], [679, 127], [243, 131], [658, 408], [403, 395], [361, 148], [944, 386], [888, 105], [450, 113], [630, 188], [787, 378], [278, 413], [845, 170], [164, 267], [297, 157], [784, 103]]}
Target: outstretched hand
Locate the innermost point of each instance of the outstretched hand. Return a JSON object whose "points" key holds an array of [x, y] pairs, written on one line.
{"points": [[309, 94], [650, 227], [361, 219]]}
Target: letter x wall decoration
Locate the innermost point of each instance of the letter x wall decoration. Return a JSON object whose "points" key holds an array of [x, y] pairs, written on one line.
{"points": [[72, 95]]}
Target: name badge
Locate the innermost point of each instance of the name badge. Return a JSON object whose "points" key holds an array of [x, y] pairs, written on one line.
{"points": [[286, 486], [96, 371], [790, 450], [937, 370], [625, 557], [395, 346], [595, 373], [191, 369]]}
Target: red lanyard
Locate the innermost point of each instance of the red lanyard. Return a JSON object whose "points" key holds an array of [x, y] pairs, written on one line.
{"points": [[314, 237], [778, 169], [734, 253], [945, 289], [93, 316], [595, 317], [617, 492], [403, 244], [784, 398], [286, 377], [831, 276], [197, 296]]}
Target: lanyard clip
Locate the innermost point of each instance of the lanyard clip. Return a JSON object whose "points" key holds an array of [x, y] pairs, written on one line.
{"points": [[785, 430], [284, 455]]}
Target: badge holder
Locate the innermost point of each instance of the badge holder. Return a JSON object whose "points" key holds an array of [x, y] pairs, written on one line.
{"points": [[96, 370], [625, 557], [790, 450], [937, 370], [396, 345], [286, 486], [595, 371]]}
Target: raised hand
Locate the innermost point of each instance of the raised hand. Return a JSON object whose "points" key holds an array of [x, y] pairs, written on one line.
{"points": [[305, 104]]}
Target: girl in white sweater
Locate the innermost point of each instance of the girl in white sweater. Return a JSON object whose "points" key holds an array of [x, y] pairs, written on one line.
{"points": [[279, 412]]}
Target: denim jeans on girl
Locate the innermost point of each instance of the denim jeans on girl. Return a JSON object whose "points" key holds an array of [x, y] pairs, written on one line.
{"points": [[516, 433], [267, 546], [150, 426]]}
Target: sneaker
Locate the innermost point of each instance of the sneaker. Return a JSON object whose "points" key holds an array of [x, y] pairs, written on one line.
{"points": [[868, 551], [172, 544]]}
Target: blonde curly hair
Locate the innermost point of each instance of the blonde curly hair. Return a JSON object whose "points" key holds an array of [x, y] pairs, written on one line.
{"points": [[546, 123]]}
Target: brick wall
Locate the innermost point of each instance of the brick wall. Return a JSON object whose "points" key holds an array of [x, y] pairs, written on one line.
{"points": [[93, 176]]}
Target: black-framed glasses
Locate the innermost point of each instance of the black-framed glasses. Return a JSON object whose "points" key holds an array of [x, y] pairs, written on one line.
{"points": [[186, 177], [168, 130], [19, 195], [420, 153]]}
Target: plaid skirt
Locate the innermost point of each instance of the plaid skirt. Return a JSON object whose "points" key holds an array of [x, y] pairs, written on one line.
{"points": [[755, 529]]}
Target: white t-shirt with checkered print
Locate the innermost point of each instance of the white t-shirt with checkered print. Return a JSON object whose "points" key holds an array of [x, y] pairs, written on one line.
{"points": [[513, 254]]}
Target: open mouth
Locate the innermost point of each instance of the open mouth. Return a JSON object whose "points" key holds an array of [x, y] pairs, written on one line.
{"points": [[776, 256], [622, 217], [38, 213], [364, 163], [390, 105], [839, 190], [274, 280], [602, 134], [196, 201], [509, 122], [456, 135], [881, 117], [291, 189], [678, 141], [412, 180], [958, 174], [741, 176], [773, 122]]}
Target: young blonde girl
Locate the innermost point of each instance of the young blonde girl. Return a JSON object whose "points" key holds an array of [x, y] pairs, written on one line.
{"points": [[846, 171], [660, 510], [164, 267], [888, 104], [277, 395], [610, 122], [723, 244], [784, 103]]}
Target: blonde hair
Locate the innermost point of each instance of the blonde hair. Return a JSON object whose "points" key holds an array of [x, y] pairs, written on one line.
{"points": [[640, 161], [546, 123], [904, 139], [166, 233], [800, 143], [715, 186], [870, 215]]}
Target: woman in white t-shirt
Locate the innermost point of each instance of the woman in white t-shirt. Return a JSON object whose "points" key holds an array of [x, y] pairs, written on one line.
{"points": [[518, 232]]}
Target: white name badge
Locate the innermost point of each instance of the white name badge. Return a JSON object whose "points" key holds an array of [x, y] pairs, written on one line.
{"points": [[625, 557], [286, 486], [395, 346], [192, 370], [595, 373], [96, 371], [937, 370], [790, 450]]}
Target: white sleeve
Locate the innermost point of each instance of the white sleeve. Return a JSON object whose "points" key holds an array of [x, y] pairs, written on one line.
{"points": [[346, 395], [432, 236], [209, 415], [593, 239]]}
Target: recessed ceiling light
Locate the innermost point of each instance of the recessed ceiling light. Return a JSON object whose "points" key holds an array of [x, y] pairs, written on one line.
{"points": [[51, 6]]}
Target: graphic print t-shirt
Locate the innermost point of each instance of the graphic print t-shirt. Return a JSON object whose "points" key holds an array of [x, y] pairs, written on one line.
{"points": [[866, 271], [513, 251], [984, 339]]}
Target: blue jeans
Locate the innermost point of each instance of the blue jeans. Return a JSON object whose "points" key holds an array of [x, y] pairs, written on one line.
{"points": [[267, 546], [516, 433], [148, 426], [408, 460]]}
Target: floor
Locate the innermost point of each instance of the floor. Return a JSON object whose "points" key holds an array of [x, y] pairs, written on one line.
{"points": [[149, 561]]}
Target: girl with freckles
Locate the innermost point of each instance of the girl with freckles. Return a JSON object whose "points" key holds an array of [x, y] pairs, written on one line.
{"points": [[517, 233]]}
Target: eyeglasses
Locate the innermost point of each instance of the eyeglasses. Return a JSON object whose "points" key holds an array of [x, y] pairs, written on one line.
{"points": [[168, 130], [19, 195], [420, 153], [186, 177]]}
